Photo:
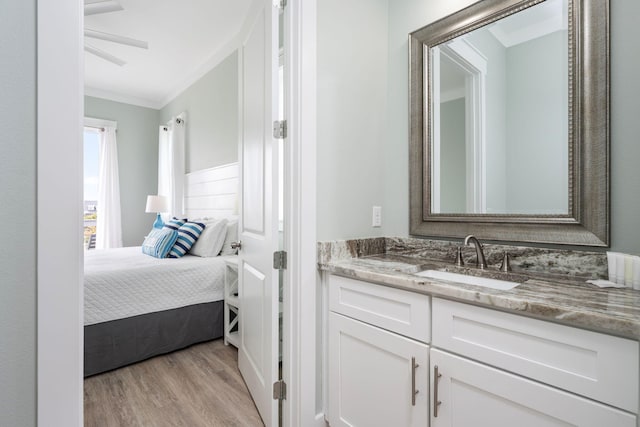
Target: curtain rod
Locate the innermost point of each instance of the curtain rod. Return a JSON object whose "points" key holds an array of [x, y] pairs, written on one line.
{"points": [[95, 127], [178, 121]]}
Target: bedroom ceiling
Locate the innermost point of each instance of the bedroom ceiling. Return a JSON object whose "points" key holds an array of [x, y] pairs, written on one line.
{"points": [[184, 38]]}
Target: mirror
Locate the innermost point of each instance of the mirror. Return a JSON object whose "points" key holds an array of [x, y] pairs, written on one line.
{"points": [[509, 123], [492, 87]]}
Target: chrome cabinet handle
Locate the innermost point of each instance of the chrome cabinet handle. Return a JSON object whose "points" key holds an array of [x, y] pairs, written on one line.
{"points": [[236, 245], [414, 366], [436, 402]]}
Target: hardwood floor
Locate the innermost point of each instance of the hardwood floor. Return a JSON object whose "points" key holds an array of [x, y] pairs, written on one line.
{"points": [[197, 386]]}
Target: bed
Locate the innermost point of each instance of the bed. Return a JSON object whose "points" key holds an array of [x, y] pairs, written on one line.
{"points": [[137, 306]]}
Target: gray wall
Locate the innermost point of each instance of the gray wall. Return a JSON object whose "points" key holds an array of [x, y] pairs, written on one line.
{"points": [[137, 161], [495, 117], [625, 127], [405, 16], [453, 165], [351, 116], [18, 207], [211, 105], [345, 195], [537, 94]]}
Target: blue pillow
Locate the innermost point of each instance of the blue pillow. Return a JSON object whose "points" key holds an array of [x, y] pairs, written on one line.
{"points": [[174, 223], [187, 236], [159, 242]]}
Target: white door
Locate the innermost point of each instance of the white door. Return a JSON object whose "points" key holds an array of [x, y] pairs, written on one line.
{"points": [[258, 222], [376, 377], [475, 395]]}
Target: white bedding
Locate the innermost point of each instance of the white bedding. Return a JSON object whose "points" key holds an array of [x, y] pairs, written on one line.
{"points": [[124, 282]]}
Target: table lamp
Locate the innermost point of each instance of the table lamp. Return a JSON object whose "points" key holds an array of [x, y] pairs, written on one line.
{"points": [[157, 204]]}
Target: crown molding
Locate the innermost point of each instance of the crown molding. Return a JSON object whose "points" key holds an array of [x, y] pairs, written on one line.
{"points": [[119, 97]]}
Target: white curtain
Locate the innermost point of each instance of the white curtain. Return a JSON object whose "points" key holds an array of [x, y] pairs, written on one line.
{"points": [[171, 165], [108, 223]]}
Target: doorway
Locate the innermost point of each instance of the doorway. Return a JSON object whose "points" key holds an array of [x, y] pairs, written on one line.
{"points": [[59, 291]]}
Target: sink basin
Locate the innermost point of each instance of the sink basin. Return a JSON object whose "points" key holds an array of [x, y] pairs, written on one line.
{"points": [[486, 282]]}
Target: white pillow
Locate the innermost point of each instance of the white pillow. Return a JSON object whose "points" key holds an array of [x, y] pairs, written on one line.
{"points": [[210, 241], [232, 236]]}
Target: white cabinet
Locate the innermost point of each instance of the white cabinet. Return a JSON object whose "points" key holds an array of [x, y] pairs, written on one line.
{"points": [[493, 368], [594, 365], [471, 394], [376, 377], [378, 356], [231, 303], [549, 374]]}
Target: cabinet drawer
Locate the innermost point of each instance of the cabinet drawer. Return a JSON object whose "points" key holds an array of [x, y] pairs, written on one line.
{"points": [[598, 366], [403, 312]]}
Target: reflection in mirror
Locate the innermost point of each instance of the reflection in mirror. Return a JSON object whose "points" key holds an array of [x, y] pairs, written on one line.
{"points": [[500, 137]]}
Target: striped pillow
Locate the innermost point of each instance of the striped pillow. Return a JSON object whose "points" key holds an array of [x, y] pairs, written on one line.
{"points": [[159, 242], [174, 223], [187, 236]]}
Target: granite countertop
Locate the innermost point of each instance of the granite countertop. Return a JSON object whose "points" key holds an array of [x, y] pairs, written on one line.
{"points": [[565, 300]]}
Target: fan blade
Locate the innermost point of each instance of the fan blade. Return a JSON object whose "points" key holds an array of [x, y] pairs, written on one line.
{"points": [[104, 55], [93, 7], [116, 38]]}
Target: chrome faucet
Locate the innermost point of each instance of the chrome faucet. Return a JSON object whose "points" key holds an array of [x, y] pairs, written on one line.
{"points": [[481, 262]]}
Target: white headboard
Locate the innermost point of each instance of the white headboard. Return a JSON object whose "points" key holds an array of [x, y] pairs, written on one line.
{"points": [[212, 192]]}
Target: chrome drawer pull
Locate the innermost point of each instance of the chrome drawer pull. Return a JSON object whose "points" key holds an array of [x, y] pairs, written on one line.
{"points": [[414, 366], [436, 402]]}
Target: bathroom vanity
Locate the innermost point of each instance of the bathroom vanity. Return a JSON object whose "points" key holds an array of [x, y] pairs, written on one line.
{"points": [[408, 350], [414, 335]]}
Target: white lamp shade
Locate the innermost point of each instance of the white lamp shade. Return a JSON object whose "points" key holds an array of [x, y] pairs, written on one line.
{"points": [[157, 204]]}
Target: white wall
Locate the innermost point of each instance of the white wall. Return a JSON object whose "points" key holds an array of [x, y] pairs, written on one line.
{"points": [[346, 189], [537, 94], [625, 127], [363, 112], [137, 161], [453, 165], [211, 104], [351, 116], [495, 120], [18, 213], [405, 16]]}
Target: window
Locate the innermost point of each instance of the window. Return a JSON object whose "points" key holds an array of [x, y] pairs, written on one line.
{"points": [[91, 170]]}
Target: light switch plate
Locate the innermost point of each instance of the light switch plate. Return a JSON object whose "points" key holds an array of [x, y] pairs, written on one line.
{"points": [[377, 216]]}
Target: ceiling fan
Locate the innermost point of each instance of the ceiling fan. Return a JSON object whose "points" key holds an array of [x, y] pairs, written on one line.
{"points": [[94, 7]]}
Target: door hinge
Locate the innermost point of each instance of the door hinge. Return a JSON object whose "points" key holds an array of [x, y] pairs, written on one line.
{"points": [[280, 129], [279, 390], [280, 260], [280, 4]]}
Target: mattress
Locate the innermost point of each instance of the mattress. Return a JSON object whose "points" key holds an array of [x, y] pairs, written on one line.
{"points": [[124, 282]]}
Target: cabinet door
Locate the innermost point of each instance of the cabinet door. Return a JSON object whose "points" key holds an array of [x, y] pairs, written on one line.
{"points": [[475, 395], [373, 374]]}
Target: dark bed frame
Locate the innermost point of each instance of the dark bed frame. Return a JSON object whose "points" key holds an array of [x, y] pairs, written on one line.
{"points": [[117, 343]]}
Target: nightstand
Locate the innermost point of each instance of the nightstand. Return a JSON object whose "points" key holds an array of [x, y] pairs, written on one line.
{"points": [[231, 303]]}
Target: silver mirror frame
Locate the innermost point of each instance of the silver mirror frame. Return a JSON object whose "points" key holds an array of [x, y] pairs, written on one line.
{"points": [[587, 222]]}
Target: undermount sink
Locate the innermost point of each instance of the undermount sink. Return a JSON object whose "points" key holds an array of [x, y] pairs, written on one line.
{"points": [[486, 282]]}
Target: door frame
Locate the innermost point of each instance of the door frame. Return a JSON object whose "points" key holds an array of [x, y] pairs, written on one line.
{"points": [[60, 119], [302, 350], [60, 292]]}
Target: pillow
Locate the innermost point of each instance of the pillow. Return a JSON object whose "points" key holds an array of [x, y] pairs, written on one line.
{"points": [[159, 242], [187, 236], [210, 241], [174, 223], [231, 236]]}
